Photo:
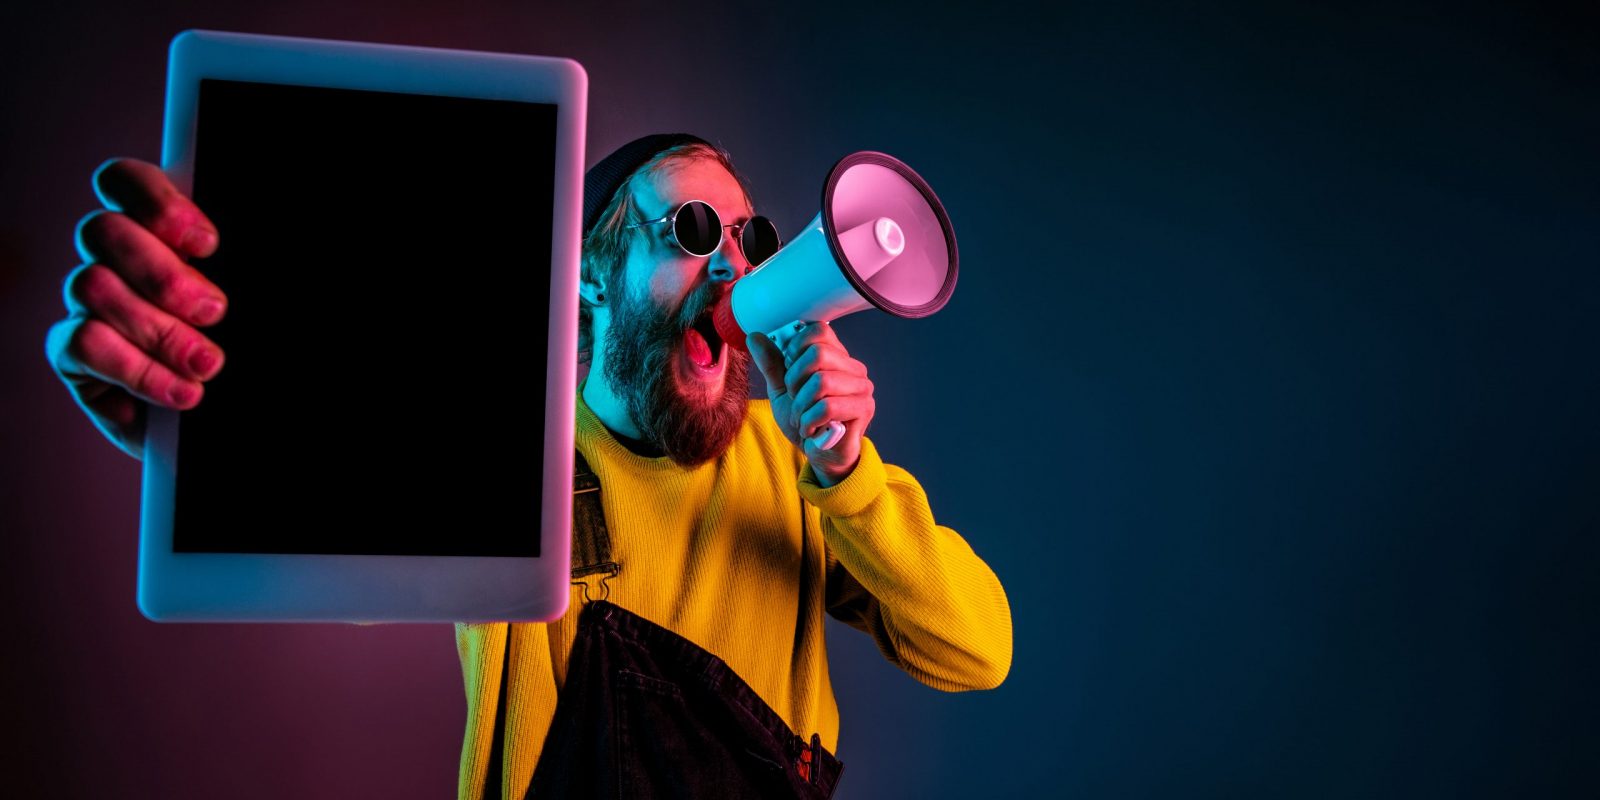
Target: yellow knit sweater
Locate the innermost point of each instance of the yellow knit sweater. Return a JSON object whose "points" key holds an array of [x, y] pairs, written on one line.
{"points": [[742, 556]]}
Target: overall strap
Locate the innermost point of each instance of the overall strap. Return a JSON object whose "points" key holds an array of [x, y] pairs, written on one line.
{"points": [[591, 541], [591, 555]]}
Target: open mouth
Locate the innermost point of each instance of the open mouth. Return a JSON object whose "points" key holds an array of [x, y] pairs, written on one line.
{"points": [[702, 345]]}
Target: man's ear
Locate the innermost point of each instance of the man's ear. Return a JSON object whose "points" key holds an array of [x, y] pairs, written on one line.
{"points": [[593, 291]]}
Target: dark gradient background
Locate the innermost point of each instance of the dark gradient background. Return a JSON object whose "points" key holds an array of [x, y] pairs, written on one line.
{"points": [[1267, 390]]}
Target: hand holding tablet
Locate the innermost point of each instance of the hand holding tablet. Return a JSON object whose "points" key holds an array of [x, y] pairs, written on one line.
{"points": [[393, 233], [136, 306]]}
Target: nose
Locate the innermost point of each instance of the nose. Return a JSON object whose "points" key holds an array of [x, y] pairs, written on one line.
{"points": [[728, 264]]}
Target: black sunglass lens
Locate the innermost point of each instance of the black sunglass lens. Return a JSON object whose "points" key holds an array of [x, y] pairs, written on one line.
{"points": [[759, 240], [698, 228]]}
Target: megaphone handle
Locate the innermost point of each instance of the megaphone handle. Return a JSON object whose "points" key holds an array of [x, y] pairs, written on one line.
{"points": [[831, 433]]}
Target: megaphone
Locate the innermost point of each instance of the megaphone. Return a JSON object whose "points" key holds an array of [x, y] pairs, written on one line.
{"points": [[882, 240]]}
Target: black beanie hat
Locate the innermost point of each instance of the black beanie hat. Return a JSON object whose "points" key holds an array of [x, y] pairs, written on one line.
{"points": [[603, 179]]}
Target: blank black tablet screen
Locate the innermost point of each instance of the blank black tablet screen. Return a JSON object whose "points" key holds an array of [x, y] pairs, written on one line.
{"points": [[386, 259]]}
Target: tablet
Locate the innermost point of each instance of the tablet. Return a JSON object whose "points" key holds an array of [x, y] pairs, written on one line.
{"points": [[391, 436]]}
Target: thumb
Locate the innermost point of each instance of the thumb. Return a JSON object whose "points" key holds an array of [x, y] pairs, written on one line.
{"points": [[768, 359]]}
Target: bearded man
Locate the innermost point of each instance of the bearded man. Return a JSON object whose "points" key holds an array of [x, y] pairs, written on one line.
{"points": [[711, 533]]}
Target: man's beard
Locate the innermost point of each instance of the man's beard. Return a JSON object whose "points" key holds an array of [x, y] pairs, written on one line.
{"points": [[640, 366]]}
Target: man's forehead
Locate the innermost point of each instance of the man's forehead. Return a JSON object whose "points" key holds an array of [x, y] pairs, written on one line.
{"points": [[680, 181]]}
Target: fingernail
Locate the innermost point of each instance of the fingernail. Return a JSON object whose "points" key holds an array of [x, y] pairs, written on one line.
{"points": [[199, 242], [207, 311], [180, 394], [202, 361]]}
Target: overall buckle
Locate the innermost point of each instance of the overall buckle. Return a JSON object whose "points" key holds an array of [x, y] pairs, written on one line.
{"points": [[808, 764]]}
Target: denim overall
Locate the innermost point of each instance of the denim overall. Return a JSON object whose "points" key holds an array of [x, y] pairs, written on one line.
{"points": [[646, 713]]}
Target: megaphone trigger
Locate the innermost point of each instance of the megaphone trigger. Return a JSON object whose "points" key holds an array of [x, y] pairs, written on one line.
{"points": [[829, 435]]}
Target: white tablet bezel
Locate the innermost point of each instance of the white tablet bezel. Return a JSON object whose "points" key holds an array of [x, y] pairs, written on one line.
{"points": [[353, 588]]}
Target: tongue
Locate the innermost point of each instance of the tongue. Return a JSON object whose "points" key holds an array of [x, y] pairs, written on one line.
{"points": [[699, 352]]}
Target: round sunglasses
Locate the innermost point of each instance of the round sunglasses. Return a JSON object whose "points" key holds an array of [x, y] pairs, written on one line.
{"points": [[697, 230]]}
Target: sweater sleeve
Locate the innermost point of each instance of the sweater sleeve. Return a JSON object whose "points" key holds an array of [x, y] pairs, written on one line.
{"points": [[482, 648], [529, 705], [934, 608]]}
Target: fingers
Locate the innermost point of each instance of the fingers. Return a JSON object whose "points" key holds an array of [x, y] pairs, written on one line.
{"points": [[89, 353], [148, 266], [820, 356], [119, 415], [812, 333], [129, 338], [848, 409], [181, 348], [827, 384], [143, 192], [769, 360], [822, 383]]}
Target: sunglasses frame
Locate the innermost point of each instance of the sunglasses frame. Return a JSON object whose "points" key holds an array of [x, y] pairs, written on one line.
{"points": [[739, 230]]}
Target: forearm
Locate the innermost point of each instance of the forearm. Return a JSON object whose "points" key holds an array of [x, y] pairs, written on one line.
{"points": [[936, 609], [521, 718]]}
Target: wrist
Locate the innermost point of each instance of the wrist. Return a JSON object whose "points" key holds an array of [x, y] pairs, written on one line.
{"points": [[829, 478], [851, 490]]}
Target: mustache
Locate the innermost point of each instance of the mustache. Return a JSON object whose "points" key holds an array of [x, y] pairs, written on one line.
{"points": [[650, 332], [698, 303]]}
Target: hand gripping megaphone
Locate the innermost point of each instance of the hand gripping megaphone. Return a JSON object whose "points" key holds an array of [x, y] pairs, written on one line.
{"points": [[882, 240]]}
